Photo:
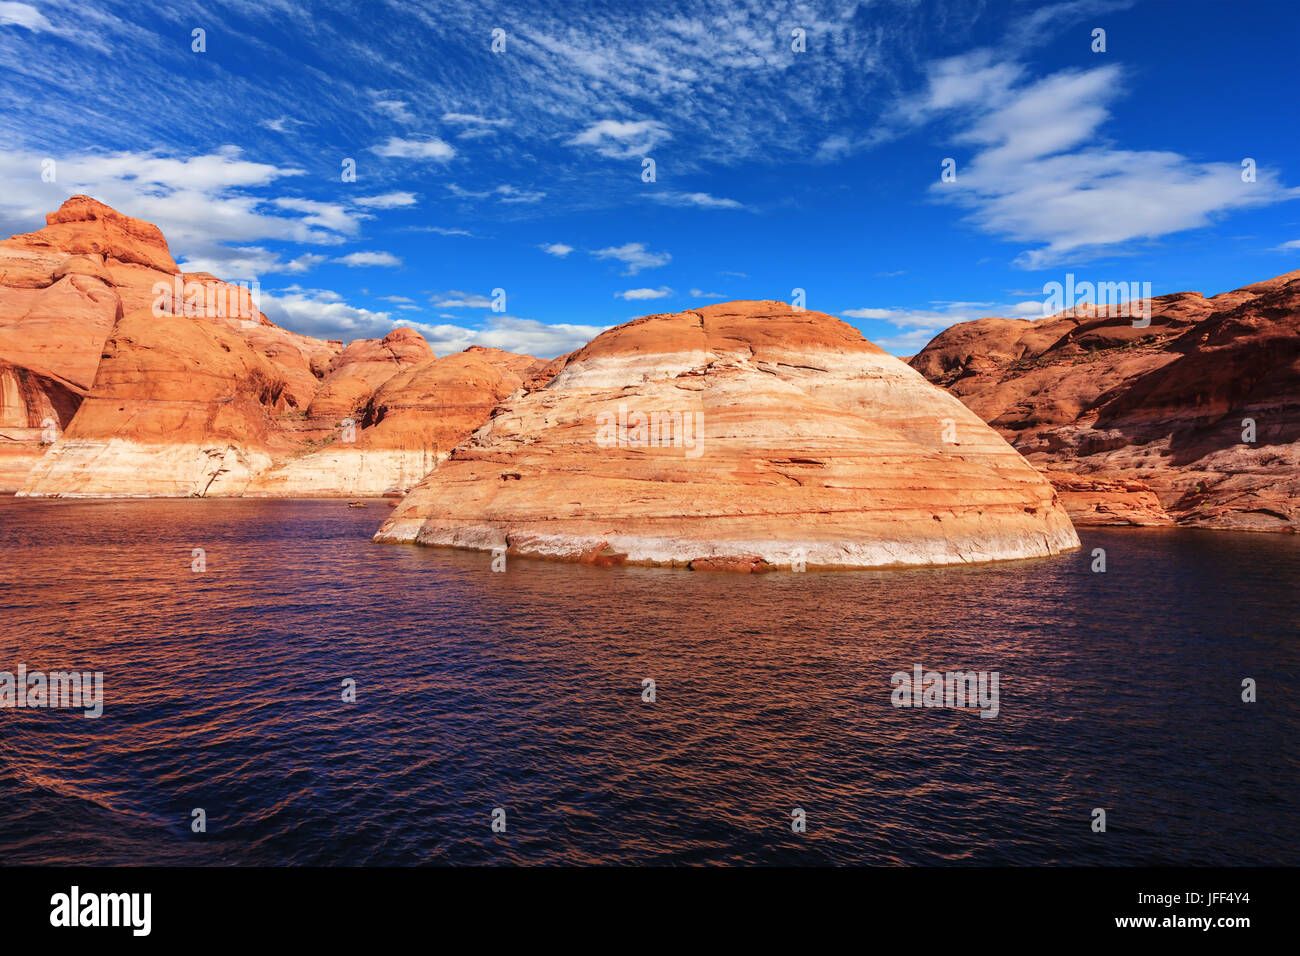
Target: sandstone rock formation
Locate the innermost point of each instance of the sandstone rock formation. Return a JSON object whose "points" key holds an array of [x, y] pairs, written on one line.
{"points": [[1202, 407], [741, 436], [1095, 500], [119, 375], [407, 426], [61, 290]]}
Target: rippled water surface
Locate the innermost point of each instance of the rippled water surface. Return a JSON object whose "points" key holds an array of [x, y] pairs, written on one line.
{"points": [[522, 690]]}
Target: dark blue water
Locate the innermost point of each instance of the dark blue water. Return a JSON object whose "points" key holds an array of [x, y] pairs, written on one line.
{"points": [[522, 690]]}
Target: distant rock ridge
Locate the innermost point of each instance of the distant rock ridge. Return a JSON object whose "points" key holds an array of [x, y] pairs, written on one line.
{"points": [[1197, 413], [741, 436]]}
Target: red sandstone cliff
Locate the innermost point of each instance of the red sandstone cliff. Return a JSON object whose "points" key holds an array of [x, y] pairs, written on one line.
{"points": [[121, 376], [1200, 411], [748, 436]]}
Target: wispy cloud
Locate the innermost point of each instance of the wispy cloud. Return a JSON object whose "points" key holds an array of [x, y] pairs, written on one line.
{"points": [[456, 299], [473, 126], [281, 124], [1041, 173], [526, 336], [399, 148], [326, 314], [636, 295], [699, 200], [557, 249], [621, 139], [504, 193], [355, 260], [635, 256], [323, 313], [206, 205], [251, 262], [393, 200], [442, 231], [24, 15], [328, 215], [920, 325], [395, 109]]}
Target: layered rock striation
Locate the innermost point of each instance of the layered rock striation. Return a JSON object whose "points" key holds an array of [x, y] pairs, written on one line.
{"points": [[122, 376], [1199, 410], [744, 436]]}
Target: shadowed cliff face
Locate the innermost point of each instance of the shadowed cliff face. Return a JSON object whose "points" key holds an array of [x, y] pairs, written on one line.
{"points": [[119, 375], [1202, 407], [743, 436]]}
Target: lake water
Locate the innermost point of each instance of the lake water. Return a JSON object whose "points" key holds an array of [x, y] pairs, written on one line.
{"points": [[523, 691]]}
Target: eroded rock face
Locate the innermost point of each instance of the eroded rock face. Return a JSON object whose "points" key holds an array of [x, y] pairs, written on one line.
{"points": [[1169, 407], [1097, 500], [407, 425], [740, 436], [34, 407], [61, 290], [119, 375], [179, 407]]}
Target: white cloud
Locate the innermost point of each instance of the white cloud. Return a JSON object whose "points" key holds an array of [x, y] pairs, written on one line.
{"points": [[1026, 310], [511, 194], [504, 193], [557, 249], [622, 139], [635, 256], [355, 260], [701, 200], [442, 231], [24, 15], [701, 294], [833, 147], [944, 315], [393, 200], [328, 215], [921, 325], [456, 299], [395, 109], [470, 119], [399, 148], [527, 336], [201, 203], [462, 193], [1042, 174], [473, 125], [636, 295], [323, 313], [400, 299], [907, 343], [281, 124], [250, 262]]}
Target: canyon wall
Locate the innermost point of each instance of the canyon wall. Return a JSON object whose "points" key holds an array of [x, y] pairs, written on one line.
{"points": [[1197, 412]]}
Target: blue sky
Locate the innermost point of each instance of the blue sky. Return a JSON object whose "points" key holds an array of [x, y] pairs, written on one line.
{"points": [[774, 169]]}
